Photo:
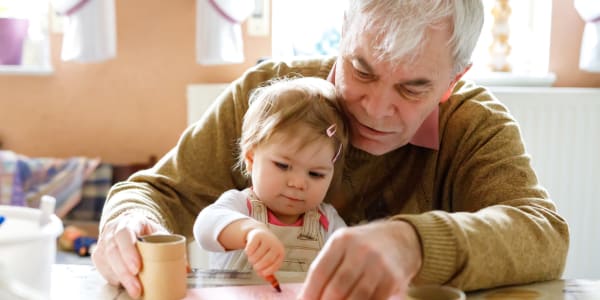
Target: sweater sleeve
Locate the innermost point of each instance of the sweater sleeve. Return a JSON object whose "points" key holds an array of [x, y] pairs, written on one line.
{"points": [[196, 171], [230, 207], [498, 225]]}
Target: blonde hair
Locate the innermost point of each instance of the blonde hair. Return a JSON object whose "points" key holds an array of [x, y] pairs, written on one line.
{"points": [[401, 26], [284, 103]]}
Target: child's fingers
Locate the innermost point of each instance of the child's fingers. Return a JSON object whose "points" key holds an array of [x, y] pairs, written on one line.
{"points": [[267, 260], [255, 240], [259, 252], [272, 259], [252, 246], [269, 264], [265, 252]]}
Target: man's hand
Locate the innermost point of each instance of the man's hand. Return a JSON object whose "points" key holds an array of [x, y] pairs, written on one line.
{"points": [[116, 256], [372, 261], [264, 250]]}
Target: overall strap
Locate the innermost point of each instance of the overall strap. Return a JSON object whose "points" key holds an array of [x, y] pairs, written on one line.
{"points": [[311, 227]]}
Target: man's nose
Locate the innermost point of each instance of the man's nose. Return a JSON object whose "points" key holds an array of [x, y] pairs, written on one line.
{"points": [[378, 102]]}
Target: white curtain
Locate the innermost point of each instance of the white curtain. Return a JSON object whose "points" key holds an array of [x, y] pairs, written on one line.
{"points": [[589, 59], [89, 30], [219, 31]]}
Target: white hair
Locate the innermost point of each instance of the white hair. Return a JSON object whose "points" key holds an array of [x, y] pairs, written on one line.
{"points": [[401, 24]]}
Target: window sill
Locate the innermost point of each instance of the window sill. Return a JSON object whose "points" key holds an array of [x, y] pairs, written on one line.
{"points": [[512, 79], [26, 70]]}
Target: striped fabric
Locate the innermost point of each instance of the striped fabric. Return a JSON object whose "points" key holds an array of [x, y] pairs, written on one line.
{"points": [[94, 191], [23, 180]]}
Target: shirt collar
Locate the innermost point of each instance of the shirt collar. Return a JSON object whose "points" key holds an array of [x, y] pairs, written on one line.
{"points": [[272, 218], [427, 135]]}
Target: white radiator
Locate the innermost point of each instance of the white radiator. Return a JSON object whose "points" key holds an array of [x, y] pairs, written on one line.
{"points": [[561, 128]]}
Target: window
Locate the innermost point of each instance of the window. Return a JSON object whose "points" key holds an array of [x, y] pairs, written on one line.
{"points": [[299, 29], [529, 39], [24, 37]]}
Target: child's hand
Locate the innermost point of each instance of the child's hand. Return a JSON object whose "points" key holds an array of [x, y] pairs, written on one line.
{"points": [[264, 250]]}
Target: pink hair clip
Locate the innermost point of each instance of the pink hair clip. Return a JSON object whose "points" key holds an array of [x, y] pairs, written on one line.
{"points": [[331, 130], [337, 155]]}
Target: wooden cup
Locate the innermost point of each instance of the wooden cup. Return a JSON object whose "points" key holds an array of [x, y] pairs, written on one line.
{"points": [[164, 266]]}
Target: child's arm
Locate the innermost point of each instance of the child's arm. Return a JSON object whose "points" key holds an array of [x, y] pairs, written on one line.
{"points": [[264, 250], [230, 207]]}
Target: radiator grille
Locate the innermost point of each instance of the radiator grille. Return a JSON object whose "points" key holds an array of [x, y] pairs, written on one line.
{"points": [[561, 129]]}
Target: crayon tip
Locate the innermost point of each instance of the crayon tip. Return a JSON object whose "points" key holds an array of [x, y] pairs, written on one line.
{"points": [[274, 282]]}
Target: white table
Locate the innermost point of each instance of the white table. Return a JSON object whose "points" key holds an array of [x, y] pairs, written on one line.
{"points": [[84, 282]]}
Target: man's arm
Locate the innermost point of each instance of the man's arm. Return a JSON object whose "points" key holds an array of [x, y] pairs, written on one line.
{"points": [[496, 215], [491, 223]]}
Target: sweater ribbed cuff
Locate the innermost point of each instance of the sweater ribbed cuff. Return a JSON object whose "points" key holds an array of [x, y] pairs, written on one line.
{"points": [[123, 203], [438, 245]]}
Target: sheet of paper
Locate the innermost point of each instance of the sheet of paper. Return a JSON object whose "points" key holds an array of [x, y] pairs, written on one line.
{"points": [[249, 292]]}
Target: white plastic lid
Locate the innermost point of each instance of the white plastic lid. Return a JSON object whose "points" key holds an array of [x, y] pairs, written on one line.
{"points": [[23, 224]]}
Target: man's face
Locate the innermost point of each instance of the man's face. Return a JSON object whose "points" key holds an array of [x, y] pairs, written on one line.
{"points": [[387, 105]]}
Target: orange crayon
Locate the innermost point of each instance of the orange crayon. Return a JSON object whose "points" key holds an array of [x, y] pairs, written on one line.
{"points": [[274, 282]]}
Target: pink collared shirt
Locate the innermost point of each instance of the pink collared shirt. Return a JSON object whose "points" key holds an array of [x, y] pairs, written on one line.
{"points": [[272, 219]]}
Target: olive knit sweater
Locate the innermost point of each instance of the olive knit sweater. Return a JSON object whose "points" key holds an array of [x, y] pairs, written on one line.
{"points": [[480, 213]]}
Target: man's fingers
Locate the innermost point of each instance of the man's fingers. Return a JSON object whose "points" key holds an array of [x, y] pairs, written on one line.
{"points": [[362, 287], [348, 278], [103, 266], [129, 281], [322, 269], [116, 256], [389, 288], [125, 241], [111, 265], [370, 261]]}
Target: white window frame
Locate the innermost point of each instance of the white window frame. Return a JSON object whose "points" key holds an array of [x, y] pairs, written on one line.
{"points": [[530, 23], [298, 23], [36, 47]]}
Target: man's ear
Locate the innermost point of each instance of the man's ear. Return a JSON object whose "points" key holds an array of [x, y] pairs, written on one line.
{"points": [[458, 76], [249, 160]]}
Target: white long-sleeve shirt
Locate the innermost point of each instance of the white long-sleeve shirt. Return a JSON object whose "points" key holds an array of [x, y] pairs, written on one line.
{"points": [[233, 206]]}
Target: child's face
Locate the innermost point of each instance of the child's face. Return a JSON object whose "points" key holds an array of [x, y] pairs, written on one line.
{"points": [[290, 179]]}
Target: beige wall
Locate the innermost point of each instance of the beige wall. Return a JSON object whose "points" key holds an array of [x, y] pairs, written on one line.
{"points": [[132, 107], [123, 110]]}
